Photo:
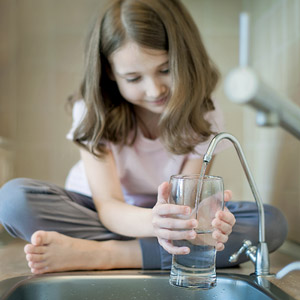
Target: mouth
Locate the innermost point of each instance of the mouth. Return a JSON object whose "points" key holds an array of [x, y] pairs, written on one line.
{"points": [[159, 102]]}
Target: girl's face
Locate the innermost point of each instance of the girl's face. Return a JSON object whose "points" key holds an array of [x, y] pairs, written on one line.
{"points": [[142, 76]]}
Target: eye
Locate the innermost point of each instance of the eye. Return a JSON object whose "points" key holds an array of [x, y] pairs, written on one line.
{"points": [[165, 71], [135, 79]]}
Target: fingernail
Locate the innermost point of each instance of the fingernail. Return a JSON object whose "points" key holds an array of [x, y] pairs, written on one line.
{"points": [[192, 235], [186, 250], [38, 240], [187, 211]]}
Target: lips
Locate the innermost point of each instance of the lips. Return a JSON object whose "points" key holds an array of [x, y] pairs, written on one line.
{"points": [[160, 101]]}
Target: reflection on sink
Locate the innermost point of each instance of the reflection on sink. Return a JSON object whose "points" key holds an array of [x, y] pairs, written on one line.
{"points": [[130, 285]]}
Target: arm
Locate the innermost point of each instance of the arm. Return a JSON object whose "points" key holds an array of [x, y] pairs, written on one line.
{"points": [[113, 211]]}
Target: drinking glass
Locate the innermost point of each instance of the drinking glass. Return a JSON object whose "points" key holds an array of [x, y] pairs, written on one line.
{"points": [[205, 197]]}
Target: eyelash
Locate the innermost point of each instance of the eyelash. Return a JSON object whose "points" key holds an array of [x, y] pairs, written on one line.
{"points": [[133, 79], [136, 79], [166, 71]]}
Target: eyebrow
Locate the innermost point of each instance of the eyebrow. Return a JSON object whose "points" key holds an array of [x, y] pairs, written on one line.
{"points": [[134, 73]]}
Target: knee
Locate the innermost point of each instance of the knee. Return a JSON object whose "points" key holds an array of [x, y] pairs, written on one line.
{"points": [[276, 227], [246, 227], [13, 199]]}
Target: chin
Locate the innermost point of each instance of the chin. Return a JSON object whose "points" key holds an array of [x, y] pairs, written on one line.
{"points": [[157, 110]]}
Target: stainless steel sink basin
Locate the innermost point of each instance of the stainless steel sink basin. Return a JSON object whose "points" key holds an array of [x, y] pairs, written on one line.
{"points": [[123, 285]]}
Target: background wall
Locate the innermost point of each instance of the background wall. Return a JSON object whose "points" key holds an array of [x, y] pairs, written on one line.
{"points": [[41, 59], [274, 154]]}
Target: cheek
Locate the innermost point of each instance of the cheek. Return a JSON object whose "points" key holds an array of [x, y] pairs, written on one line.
{"points": [[168, 82], [130, 91]]}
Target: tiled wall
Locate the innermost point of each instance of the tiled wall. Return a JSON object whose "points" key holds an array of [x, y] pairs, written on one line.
{"points": [[274, 153], [41, 61]]}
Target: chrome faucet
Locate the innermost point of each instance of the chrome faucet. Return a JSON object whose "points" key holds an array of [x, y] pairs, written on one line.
{"points": [[258, 255], [243, 86]]}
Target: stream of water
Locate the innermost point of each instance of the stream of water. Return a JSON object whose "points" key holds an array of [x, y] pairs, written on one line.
{"points": [[199, 186]]}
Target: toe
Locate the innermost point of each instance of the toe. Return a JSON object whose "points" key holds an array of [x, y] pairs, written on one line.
{"points": [[39, 238], [31, 249], [28, 248], [36, 271], [37, 265], [35, 257], [42, 270]]}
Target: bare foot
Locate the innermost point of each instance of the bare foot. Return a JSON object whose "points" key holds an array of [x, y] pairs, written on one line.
{"points": [[50, 251]]}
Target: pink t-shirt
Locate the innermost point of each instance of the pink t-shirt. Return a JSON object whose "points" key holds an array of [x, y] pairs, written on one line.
{"points": [[143, 166]]}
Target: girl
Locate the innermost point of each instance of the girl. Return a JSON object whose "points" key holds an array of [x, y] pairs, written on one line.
{"points": [[144, 113]]}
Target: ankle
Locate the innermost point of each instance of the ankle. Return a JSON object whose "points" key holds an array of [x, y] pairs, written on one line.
{"points": [[122, 254]]}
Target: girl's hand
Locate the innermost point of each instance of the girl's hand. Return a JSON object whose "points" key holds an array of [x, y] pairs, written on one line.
{"points": [[223, 223], [167, 228]]}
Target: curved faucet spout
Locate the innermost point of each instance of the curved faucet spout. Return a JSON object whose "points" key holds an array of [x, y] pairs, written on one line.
{"points": [[207, 157], [262, 255]]}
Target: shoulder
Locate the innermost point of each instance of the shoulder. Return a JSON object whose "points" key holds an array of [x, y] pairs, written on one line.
{"points": [[215, 118], [79, 110], [78, 113]]}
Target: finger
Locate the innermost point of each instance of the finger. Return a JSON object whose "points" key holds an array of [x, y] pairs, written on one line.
{"points": [[227, 195], [170, 223], [170, 248], [172, 209], [220, 237], [220, 247], [226, 216], [175, 235], [221, 226], [163, 193]]}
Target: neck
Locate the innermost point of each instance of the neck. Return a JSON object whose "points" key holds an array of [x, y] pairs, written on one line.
{"points": [[148, 123]]}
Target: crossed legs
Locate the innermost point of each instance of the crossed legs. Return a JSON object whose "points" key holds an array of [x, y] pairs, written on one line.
{"points": [[65, 232]]}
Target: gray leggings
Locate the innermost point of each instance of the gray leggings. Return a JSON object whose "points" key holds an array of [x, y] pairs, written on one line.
{"points": [[28, 205]]}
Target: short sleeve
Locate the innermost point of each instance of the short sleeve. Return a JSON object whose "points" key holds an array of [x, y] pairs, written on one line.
{"points": [[216, 119], [78, 113]]}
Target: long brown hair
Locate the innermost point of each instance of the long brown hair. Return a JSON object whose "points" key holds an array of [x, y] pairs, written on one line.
{"points": [[156, 24]]}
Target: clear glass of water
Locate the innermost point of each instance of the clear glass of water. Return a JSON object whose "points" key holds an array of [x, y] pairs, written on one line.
{"points": [[204, 195]]}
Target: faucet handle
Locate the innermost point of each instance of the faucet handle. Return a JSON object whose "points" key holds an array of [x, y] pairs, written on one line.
{"points": [[247, 245]]}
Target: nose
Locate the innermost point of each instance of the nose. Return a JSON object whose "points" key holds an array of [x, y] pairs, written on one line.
{"points": [[155, 88]]}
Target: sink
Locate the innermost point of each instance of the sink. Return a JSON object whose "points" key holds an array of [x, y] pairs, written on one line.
{"points": [[135, 284]]}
